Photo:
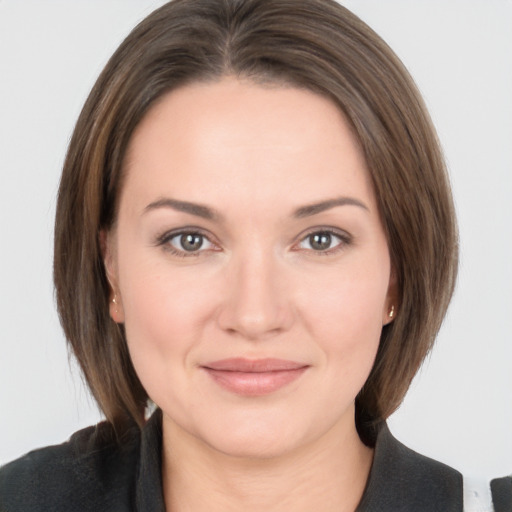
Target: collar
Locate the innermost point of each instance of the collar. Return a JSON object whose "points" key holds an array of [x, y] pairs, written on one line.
{"points": [[402, 480], [149, 490]]}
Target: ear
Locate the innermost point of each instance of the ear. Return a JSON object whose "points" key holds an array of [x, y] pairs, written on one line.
{"points": [[391, 304], [109, 254]]}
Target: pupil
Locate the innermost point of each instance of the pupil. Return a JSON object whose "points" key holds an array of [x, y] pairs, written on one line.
{"points": [[191, 242], [320, 241]]}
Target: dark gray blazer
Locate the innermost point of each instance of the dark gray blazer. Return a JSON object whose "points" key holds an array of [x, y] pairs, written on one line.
{"points": [[91, 472]]}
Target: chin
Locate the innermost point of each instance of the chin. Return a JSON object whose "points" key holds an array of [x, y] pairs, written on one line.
{"points": [[260, 434], [260, 445], [243, 433]]}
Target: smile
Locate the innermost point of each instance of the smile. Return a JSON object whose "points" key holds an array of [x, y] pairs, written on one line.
{"points": [[257, 377]]}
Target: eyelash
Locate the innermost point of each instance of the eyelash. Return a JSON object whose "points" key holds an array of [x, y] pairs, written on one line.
{"points": [[165, 239]]}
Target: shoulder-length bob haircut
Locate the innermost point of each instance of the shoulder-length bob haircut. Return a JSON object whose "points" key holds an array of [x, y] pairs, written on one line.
{"points": [[313, 44]]}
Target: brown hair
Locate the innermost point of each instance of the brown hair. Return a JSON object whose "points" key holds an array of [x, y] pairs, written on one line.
{"points": [[314, 44]]}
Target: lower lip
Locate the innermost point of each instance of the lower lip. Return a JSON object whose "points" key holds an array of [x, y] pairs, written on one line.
{"points": [[254, 383]]}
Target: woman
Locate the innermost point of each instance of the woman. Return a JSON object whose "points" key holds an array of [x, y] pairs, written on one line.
{"points": [[266, 250]]}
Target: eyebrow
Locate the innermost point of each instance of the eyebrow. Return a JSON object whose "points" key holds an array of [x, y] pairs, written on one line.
{"points": [[322, 206], [196, 209], [205, 212]]}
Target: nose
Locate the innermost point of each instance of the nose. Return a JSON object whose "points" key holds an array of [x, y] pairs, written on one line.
{"points": [[257, 304]]}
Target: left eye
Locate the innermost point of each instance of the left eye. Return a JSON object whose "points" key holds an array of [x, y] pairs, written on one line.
{"points": [[321, 241], [190, 242]]}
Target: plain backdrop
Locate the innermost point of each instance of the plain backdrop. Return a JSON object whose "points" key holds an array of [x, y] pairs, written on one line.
{"points": [[459, 409]]}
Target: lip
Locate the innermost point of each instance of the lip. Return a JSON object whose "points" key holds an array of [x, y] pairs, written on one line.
{"points": [[254, 377]]}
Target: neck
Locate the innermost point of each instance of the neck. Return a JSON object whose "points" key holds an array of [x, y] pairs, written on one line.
{"points": [[328, 475]]}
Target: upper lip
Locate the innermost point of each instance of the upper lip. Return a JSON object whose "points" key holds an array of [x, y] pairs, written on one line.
{"points": [[240, 364]]}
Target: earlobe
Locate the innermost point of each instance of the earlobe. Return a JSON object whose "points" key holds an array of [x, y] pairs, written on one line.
{"points": [[116, 309], [391, 305], [390, 316], [108, 252]]}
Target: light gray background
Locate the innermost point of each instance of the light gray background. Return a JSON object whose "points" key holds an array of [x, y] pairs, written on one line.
{"points": [[459, 409]]}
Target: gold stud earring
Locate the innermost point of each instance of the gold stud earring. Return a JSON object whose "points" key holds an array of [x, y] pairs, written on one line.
{"points": [[392, 312], [114, 301]]}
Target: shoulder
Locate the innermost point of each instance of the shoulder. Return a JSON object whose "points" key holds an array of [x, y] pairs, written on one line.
{"points": [[91, 471], [501, 489], [403, 480]]}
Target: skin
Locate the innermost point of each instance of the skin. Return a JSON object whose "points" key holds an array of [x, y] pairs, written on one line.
{"points": [[256, 288]]}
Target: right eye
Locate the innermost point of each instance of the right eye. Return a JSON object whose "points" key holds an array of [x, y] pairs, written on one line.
{"points": [[186, 243]]}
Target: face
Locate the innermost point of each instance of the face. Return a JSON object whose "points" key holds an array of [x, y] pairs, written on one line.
{"points": [[250, 266]]}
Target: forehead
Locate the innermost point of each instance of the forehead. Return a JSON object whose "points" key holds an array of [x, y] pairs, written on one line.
{"points": [[207, 140]]}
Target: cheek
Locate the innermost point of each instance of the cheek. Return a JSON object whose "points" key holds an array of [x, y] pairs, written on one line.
{"points": [[343, 312], [164, 315]]}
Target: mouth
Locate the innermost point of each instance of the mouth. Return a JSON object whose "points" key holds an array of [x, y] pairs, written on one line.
{"points": [[254, 377]]}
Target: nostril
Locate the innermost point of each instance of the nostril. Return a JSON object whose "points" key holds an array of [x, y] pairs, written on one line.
{"points": [[252, 326]]}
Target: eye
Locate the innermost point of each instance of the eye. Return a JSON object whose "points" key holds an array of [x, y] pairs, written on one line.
{"points": [[190, 242], [323, 241], [186, 243]]}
